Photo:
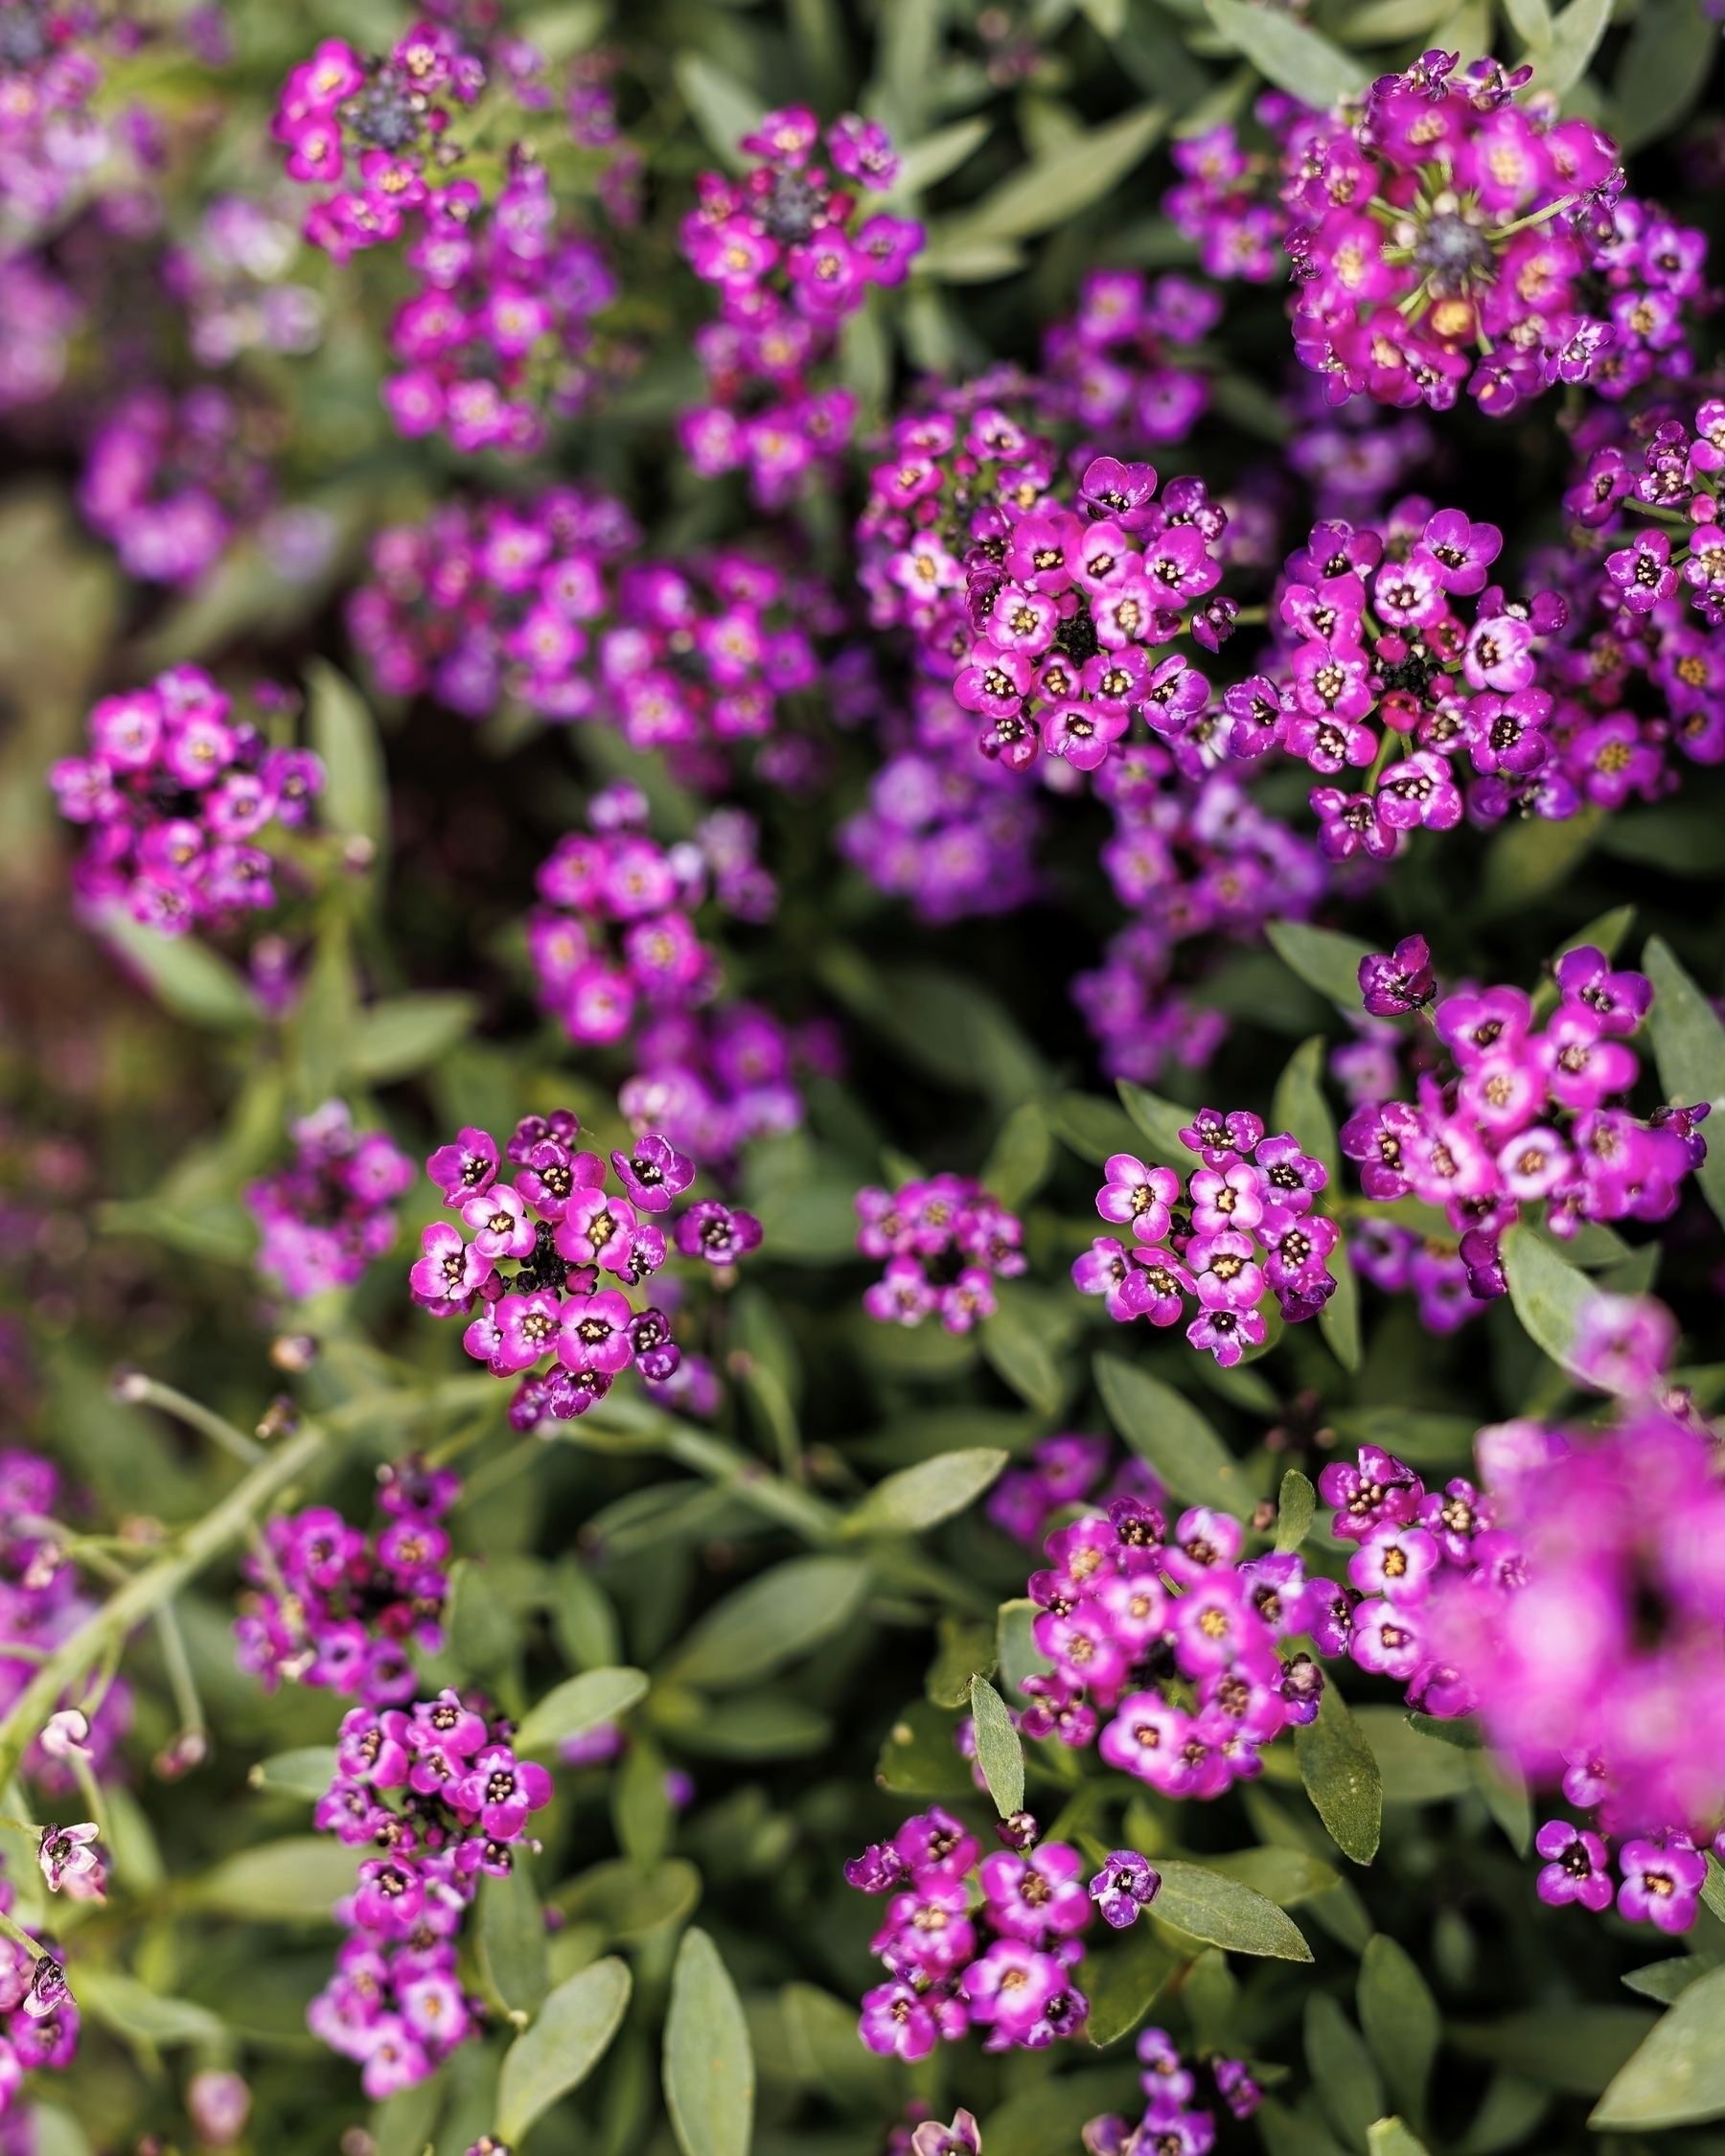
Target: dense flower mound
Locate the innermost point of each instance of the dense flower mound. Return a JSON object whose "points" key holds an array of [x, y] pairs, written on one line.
{"points": [[176, 791], [331, 1211], [528, 1281], [335, 1608], [1445, 236], [438, 1790], [792, 254], [1236, 1228], [1188, 1644], [533, 601], [1522, 1116], [946, 1241], [970, 1940]]}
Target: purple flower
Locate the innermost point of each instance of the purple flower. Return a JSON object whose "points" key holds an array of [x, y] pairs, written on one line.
{"points": [[654, 1173], [1577, 1868], [1623, 1344], [1126, 1885], [1400, 982], [1662, 1881], [72, 1864], [716, 1233]]}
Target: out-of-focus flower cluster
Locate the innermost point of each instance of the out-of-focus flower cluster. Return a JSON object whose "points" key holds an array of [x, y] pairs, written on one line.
{"points": [[792, 254], [1173, 2124], [531, 600], [1122, 367], [1238, 1227], [441, 1793], [946, 1241], [334, 1607], [331, 1211], [1525, 1116], [176, 791], [169, 480]]}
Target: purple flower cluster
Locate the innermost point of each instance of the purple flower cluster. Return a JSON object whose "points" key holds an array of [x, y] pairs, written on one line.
{"points": [[57, 151], [176, 791], [168, 481], [1172, 2126], [501, 326], [230, 279], [41, 1604], [1191, 855], [970, 1940], [946, 1241], [330, 1212], [1445, 236], [335, 1608], [792, 256], [1123, 367], [1241, 1225], [1130, 1624], [559, 1227], [712, 1079], [441, 1794], [527, 599], [38, 2017], [1525, 1116], [1063, 1470]]}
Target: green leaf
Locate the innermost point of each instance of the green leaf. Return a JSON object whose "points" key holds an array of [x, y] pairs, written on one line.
{"points": [[1462, 1731], [722, 108], [1328, 962], [1668, 1979], [1094, 1128], [1400, 2019], [1124, 1983], [1301, 1107], [186, 977], [1689, 1046], [1677, 2076], [779, 1615], [1548, 1294], [1339, 1320], [1294, 1510], [1295, 2133], [405, 2124], [1680, 839], [1287, 1877], [1023, 1360], [1343, 2071], [1527, 860], [1341, 1777], [355, 800], [1422, 1440], [1509, 2113], [1162, 1426], [1411, 1769], [1016, 1648], [1663, 72], [821, 2034], [56, 2131], [1048, 2118], [511, 1940], [1391, 2136], [1285, 53], [1577, 2050], [1057, 185], [758, 1726], [406, 1034], [570, 1710], [1208, 1904], [1505, 1795], [1160, 1123], [1530, 20], [483, 1632], [808, 1223], [967, 1650], [306, 1772], [1022, 1156], [582, 1619], [1576, 37], [921, 1497], [572, 2034], [627, 1904], [1382, 22], [132, 2010], [924, 164], [296, 1880], [998, 1753], [709, 2067]]}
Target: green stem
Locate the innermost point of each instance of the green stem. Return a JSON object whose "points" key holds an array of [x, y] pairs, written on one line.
{"points": [[10, 1929], [176, 1663], [140, 1599], [90, 1789], [631, 1426], [142, 1391]]}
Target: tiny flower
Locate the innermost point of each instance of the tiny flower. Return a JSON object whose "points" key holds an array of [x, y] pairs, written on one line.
{"points": [[1576, 1866], [72, 1864], [1126, 1885]]}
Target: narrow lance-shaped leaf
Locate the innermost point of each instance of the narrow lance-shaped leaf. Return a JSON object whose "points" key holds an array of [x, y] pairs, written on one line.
{"points": [[1688, 1045], [1295, 1509], [356, 796], [572, 2033], [1159, 1122], [1162, 1426], [923, 1495], [1324, 960], [722, 108], [998, 1753], [1548, 1294], [581, 1704], [1226, 1913], [784, 1613], [708, 2063], [1677, 2076], [1295, 58], [1057, 185], [1400, 2019]]}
